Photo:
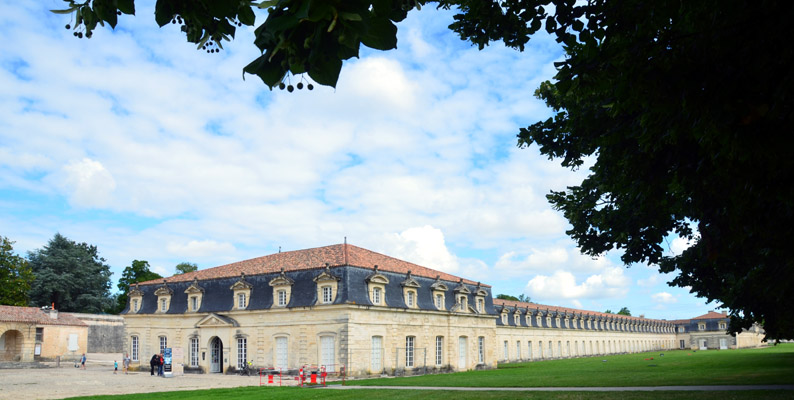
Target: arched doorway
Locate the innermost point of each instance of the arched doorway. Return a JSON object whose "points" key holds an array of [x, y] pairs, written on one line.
{"points": [[11, 345], [216, 355]]}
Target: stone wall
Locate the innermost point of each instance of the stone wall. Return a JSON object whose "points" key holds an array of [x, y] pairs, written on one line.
{"points": [[105, 332]]}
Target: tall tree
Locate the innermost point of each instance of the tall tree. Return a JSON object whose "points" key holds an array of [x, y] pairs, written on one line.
{"points": [[624, 311], [137, 271], [15, 275], [71, 275], [183, 267], [684, 109]]}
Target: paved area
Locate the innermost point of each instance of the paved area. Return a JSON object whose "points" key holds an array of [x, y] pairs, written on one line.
{"points": [[98, 378]]}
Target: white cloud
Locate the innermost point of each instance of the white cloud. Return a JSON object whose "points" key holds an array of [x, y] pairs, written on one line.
{"points": [[199, 248], [86, 182], [650, 281], [424, 246], [663, 298], [563, 285], [540, 260]]}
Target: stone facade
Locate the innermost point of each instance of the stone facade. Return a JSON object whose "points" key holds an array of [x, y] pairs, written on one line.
{"points": [[31, 334], [708, 331], [346, 307]]}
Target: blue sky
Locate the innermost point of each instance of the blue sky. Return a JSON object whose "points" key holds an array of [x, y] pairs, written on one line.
{"points": [[136, 142]]}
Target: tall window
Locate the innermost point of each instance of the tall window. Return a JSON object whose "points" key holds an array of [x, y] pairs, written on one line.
{"points": [[518, 350], [194, 352], [410, 300], [39, 334], [282, 298], [463, 302], [163, 344], [281, 353], [135, 305], [551, 350], [481, 349], [194, 303], [529, 350], [134, 349], [480, 305], [163, 305], [242, 351], [506, 357], [241, 300], [377, 349], [376, 296], [439, 350], [409, 351], [327, 295], [515, 320], [439, 301]]}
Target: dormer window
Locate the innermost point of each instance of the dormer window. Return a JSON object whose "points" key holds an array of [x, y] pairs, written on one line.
{"points": [[282, 297], [723, 325], [328, 297], [463, 300], [410, 287], [462, 297], [480, 306], [163, 294], [515, 320], [702, 326], [242, 292], [479, 299], [136, 298], [327, 286], [282, 289], [376, 286], [439, 289], [376, 296], [504, 318], [195, 294]]}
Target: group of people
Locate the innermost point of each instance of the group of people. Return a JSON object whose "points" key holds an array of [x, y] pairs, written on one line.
{"points": [[125, 363], [157, 361]]}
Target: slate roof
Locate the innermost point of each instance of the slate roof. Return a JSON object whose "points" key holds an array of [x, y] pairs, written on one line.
{"points": [[298, 260], [34, 315], [512, 304]]}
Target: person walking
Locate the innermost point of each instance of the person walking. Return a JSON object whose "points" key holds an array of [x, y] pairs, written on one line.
{"points": [[126, 363], [115, 367], [153, 363], [82, 361]]}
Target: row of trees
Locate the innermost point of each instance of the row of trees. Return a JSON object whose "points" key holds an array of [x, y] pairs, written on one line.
{"points": [[71, 275]]}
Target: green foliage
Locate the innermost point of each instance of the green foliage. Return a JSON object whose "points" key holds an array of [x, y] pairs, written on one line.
{"points": [[685, 109], [506, 297], [15, 276], [184, 267], [71, 275], [137, 271], [624, 311], [608, 312]]}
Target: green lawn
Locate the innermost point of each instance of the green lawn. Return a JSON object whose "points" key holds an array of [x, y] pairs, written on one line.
{"points": [[265, 393], [773, 365]]}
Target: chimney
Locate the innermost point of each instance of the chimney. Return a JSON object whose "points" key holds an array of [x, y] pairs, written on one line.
{"points": [[53, 312]]}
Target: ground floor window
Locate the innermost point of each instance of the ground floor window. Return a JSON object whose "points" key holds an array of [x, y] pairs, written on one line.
{"points": [[377, 351], [194, 352], [409, 351], [134, 348], [506, 357], [242, 352], [439, 350], [529, 350], [327, 352], [163, 344], [481, 349], [281, 353]]}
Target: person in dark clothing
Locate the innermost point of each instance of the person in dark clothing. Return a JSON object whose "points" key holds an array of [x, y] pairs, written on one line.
{"points": [[153, 362]]}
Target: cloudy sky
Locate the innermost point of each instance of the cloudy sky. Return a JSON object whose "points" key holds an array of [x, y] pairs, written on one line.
{"points": [[136, 142]]}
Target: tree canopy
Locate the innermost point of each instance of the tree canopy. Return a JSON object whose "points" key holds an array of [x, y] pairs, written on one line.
{"points": [[183, 267], [137, 271], [521, 297], [15, 275], [624, 311], [684, 109], [71, 275]]}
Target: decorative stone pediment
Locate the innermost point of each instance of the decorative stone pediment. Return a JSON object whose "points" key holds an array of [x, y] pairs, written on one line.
{"points": [[461, 288], [135, 291], [194, 288], [164, 290], [282, 280], [216, 321], [377, 277], [410, 281], [241, 283], [438, 285], [326, 276], [464, 308]]}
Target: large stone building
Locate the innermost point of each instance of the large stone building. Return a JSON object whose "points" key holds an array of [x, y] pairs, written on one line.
{"points": [[344, 306]]}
